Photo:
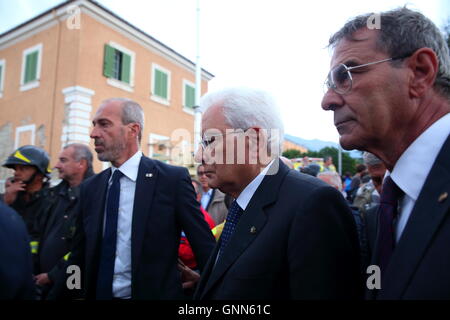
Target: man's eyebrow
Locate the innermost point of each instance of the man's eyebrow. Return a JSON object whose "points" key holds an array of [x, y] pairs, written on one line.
{"points": [[100, 120]]}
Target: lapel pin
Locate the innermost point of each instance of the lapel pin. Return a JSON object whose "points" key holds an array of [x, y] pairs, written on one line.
{"points": [[149, 175], [443, 196], [253, 230]]}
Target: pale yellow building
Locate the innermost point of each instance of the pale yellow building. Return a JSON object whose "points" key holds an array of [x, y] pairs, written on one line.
{"points": [[56, 68]]}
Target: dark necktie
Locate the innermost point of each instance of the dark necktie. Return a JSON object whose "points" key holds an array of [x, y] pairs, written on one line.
{"points": [[108, 247], [234, 214], [387, 213]]}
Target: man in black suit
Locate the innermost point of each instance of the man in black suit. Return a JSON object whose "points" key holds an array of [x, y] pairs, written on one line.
{"points": [[132, 214], [287, 235], [389, 88], [16, 268]]}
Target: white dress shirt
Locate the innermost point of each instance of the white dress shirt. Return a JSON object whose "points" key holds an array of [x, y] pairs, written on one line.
{"points": [[122, 264], [247, 194], [414, 165], [206, 197]]}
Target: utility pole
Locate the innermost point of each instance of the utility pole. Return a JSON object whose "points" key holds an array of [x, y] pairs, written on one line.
{"points": [[198, 86]]}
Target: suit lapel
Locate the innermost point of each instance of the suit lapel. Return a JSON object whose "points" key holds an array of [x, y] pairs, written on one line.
{"points": [[250, 224], [211, 199], [426, 216], [93, 221], [145, 187], [97, 205]]}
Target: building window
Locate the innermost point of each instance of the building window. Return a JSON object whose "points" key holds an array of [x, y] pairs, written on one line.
{"points": [[160, 84], [118, 66], [2, 76], [159, 147], [25, 135], [31, 67], [188, 95]]}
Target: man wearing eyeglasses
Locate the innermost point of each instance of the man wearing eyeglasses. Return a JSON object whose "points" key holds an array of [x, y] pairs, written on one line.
{"points": [[287, 235], [212, 200], [389, 89]]}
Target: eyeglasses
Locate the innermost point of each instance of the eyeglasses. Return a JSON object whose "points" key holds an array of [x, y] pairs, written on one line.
{"points": [[207, 141], [340, 79]]}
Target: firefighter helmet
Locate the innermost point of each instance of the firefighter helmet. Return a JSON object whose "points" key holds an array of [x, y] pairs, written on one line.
{"points": [[30, 156]]}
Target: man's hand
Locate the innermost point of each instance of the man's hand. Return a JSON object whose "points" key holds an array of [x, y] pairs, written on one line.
{"points": [[42, 279], [12, 190], [189, 277]]}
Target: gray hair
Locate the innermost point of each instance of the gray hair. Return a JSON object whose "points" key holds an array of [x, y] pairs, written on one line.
{"points": [[244, 108], [402, 32], [370, 159], [333, 179], [80, 152], [132, 112]]}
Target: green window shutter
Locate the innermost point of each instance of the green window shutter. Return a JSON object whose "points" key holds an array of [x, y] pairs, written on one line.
{"points": [[31, 66], [189, 96], [161, 84], [27, 69], [164, 85], [157, 86], [126, 67], [108, 61]]}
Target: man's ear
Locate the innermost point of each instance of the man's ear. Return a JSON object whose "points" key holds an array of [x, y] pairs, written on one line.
{"points": [[83, 164], [424, 65], [134, 128]]}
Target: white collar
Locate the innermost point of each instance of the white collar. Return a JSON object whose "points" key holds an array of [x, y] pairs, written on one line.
{"points": [[130, 167], [247, 194], [413, 166]]}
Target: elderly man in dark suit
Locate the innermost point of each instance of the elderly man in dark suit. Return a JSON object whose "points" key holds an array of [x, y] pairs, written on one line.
{"points": [[132, 214], [389, 89], [287, 235]]}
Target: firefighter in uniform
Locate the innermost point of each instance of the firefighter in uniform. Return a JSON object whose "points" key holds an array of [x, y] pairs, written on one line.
{"points": [[58, 226], [28, 192]]}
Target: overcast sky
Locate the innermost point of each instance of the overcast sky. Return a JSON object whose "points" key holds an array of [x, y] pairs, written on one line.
{"points": [[278, 46]]}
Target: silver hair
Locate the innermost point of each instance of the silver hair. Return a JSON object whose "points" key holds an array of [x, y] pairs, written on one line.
{"points": [[370, 159], [335, 179], [244, 108], [132, 112], [402, 32]]}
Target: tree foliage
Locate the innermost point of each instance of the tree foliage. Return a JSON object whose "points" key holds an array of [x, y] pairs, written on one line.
{"points": [[348, 163]]}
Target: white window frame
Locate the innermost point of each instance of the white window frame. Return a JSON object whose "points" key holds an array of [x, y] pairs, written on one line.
{"points": [[156, 137], [117, 83], [2, 76], [33, 84], [186, 109], [169, 76], [19, 130]]}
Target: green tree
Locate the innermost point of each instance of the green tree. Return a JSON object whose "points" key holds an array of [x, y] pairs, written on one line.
{"points": [[292, 153], [348, 163]]}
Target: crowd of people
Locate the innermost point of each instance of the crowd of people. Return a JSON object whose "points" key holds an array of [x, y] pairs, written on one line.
{"points": [[251, 227]]}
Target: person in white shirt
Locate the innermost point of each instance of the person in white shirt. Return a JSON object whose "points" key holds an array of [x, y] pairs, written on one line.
{"points": [[287, 235], [212, 200], [389, 89], [132, 215]]}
